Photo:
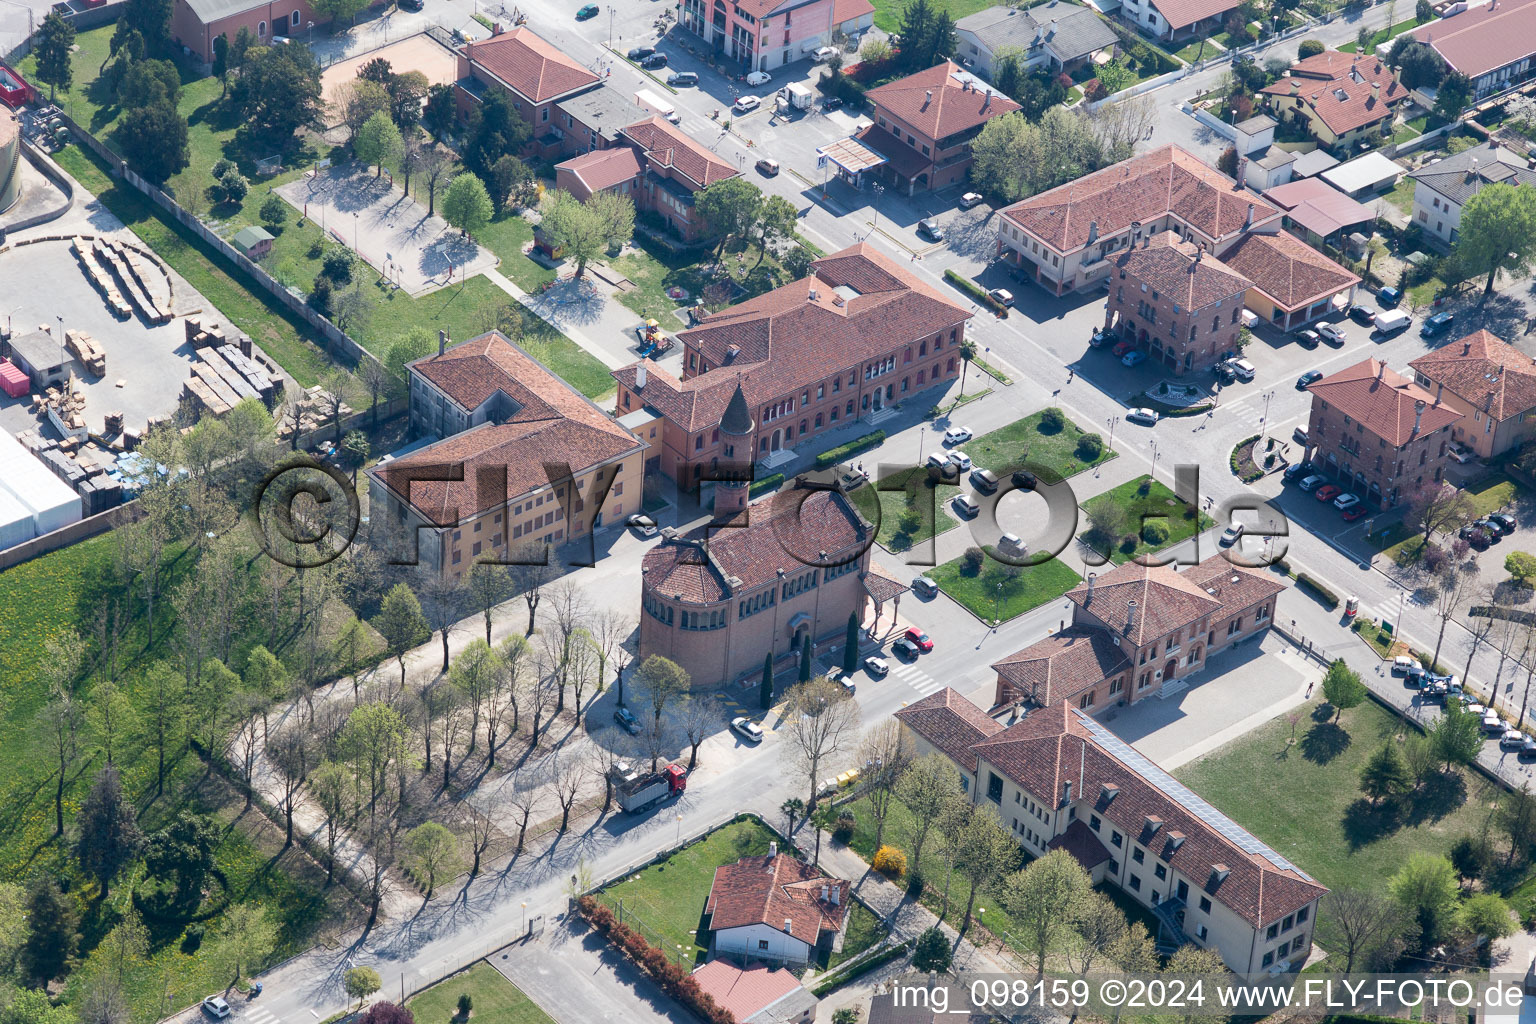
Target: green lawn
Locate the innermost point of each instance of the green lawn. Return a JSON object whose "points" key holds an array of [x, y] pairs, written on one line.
{"points": [[652, 274], [1050, 453], [908, 490], [1383, 35], [83, 100], [979, 593], [495, 1000], [1143, 501], [863, 930], [1401, 195], [506, 236], [665, 902], [888, 12], [1491, 493], [1312, 811], [1193, 51]]}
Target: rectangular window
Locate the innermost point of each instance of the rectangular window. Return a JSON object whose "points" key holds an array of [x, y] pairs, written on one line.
{"points": [[1301, 915], [1093, 822], [1115, 837], [994, 788], [1205, 905], [1271, 932], [1138, 855], [1136, 883], [1160, 871]]}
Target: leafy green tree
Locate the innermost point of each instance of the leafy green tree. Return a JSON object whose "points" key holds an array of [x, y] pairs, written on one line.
{"points": [[494, 131], [54, 917], [1426, 887], [467, 205], [1486, 915], [401, 624], [583, 230], [1498, 232], [179, 858], [511, 183], [1457, 736], [433, 851], [1521, 566], [32, 1006], [765, 690], [378, 141], [339, 10], [153, 139], [220, 62], [274, 212], [1385, 774], [278, 93], [1342, 688], [244, 938], [776, 223], [932, 954], [440, 113], [407, 90], [107, 835], [51, 46], [148, 82], [730, 207], [151, 19], [372, 743], [1043, 899], [1451, 98], [1416, 63], [662, 680], [923, 788], [361, 982], [1309, 48]]}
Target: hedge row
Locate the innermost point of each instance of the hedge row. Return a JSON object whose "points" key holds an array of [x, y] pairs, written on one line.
{"points": [[858, 968], [1246, 478], [1328, 597], [975, 291], [766, 484], [675, 981], [833, 456]]}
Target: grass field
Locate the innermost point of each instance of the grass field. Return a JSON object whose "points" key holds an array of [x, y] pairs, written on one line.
{"points": [[908, 490], [495, 1000], [1024, 441], [1157, 504], [1383, 35], [979, 593], [863, 930], [1200, 50], [1491, 493], [1312, 811]]}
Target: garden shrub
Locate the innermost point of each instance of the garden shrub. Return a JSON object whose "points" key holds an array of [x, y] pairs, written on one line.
{"points": [[1154, 532], [842, 829], [890, 861], [1090, 447], [1052, 420], [832, 456], [1328, 597], [972, 560]]}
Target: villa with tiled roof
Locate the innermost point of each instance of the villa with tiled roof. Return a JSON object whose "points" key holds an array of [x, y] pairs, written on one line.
{"points": [[776, 908], [1060, 780], [1492, 42], [1065, 238], [1341, 97], [1491, 383], [532, 461], [1177, 19]]}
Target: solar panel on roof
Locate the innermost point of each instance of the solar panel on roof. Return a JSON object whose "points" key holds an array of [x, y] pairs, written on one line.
{"points": [[1185, 797]]}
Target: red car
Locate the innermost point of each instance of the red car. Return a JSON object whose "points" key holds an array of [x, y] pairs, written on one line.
{"points": [[1327, 492], [920, 638], [1351, 514], [1122, 347]]}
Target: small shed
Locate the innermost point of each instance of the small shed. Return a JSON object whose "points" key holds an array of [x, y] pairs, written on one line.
{"points": [[1364, 175], [13, 380], [253, 242]]}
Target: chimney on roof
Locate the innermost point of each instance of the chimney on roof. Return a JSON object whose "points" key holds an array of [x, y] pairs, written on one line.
{"points": [[1107, 792], [640, 376], [1066, 792], [788, 930], [1375, 92], [1248, 221], [1130, 614], [1418, 415], [773, 848], [1052, 31], [1088, 597], [823, 892], [442, 342], [1440, 390], [1219, 873], [1466, 348], [1093, 231], [927, 98], [986, 100], [837, 894], [1381, 370]]}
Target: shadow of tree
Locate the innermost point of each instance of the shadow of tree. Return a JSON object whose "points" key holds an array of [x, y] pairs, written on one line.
{"points": [[1364, 823], [1441, 794], [1324, 742]]}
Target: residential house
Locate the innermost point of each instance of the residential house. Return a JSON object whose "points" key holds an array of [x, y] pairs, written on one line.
{"points": [[757, 994], [925, 124], [859, 334], [1491, 383], [1138, 631], [1320, 213], [1064, 238], [533, 75], [1060, 780], [936, 1002], [1177, 20], [1342, 98], [760, 35], [776, 908], [195, 24], [1378, 433], [1492, 42], [523, 459], [1053, 36], [1176, 303], [1293, 283], [1442, 188]]}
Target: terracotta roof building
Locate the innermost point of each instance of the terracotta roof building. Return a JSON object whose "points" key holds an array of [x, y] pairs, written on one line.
{"points": [[760, 35], [1065, 238], [948, 723], [1137, 631], [531, 74], [1491, 383], [1050, 35], [1177, 19], [1341, 97], [925, 124], [1293, 283], [861, 333], [1317, 211], [195, 24], [776, 908], [1060, 780], [1492, 43], [1175, 302], [523, 459], [757, 994], [1379, 434]]}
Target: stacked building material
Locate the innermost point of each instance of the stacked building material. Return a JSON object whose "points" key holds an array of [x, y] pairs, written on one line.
{"points": [[101, 278], [88, 350]]}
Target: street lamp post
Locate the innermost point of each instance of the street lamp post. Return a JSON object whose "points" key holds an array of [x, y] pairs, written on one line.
{"points": [[525, 917], [997, 608], [922, 432], [1264, 423], [1112, 421], [679, 837], [878, 189]]}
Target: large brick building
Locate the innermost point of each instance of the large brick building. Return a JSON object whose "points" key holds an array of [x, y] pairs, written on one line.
{"points": [[534, 76], [1378, 433], [1175, 302], [523, 459], [1293, 283], [1491, 383], [764, 34], [1137, 631], [1059, 780], [858, 335], [195, 24]]}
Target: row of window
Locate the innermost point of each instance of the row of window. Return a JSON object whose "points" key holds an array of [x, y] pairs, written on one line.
{"points": [[800, 584], [702, 621], [753, 605]]}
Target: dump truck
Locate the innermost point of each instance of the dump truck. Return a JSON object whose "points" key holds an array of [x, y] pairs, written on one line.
{"points": [[639, 790]]}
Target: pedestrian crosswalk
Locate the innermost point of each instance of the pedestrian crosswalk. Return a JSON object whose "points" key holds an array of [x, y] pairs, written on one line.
{"points": [[258, 1015], [922, 682]]}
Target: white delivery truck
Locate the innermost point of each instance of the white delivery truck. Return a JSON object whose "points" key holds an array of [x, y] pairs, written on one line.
{"points": [[1390, 321], [800, 96], [650, 102]]}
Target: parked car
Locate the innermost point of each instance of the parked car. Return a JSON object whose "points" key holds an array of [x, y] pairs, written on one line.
{"points": [[1315, 480], [1391, 321], [1012, 544], [1346, 501], [746, 103], [1437, 324], [1360, 314], [1492, 723], [411, 5], [1230, 535], [929, 228], [984, 480], [1133, 358], [1389, 297], [966, 506], [1307, 379], [1296, 470], [957, 435], [584, 13], [905, 648], [917, 636], [1223, 374], [1505, 520], [1122, 347], [1354, 512], [1300, 435], [961, 461], [1097, 338], [1512, 739], [1144, 416], [1497, 524], [747, 729], [1308, 339], [1327, 492], [1528, 747], [644, 525], [1243, 368], [627, 720], [836, 675], [1333, 334], [831, 103], [1479, 539], [876, 666], [1462, 455], [824, 53], [215, 1007], [640, 52], [925, 587], [969, 200], [768, 167], [759, 78], [1024, 480], [683, 78], [1001, 296]]}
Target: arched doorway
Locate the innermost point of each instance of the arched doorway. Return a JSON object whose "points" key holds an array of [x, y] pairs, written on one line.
{"points": [[777, 436], [1170, 669], [879, 397]]}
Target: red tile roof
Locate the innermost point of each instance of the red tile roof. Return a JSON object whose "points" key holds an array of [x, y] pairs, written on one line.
{"points": [[745, 993], [938, 104], [783, 341], [1167, 181], [1080, 841], [770, 890], [1484, 371], [1180, 270], [603, 168], [1182, 13], [668, 146], [902, 158], [1060, 667], [1339, 87], [1384, 401], [1484, 38], [950, 723], [1287, 270], [785, 532], [1318, 206], [534, 67], [1166, 600]]}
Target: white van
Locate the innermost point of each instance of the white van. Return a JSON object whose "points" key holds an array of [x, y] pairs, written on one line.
{"points": [[654, 104], [1390, 321]]}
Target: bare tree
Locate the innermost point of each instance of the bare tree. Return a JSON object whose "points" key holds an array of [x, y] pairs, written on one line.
{"points": [[1481, 629], [567, 774], [61, 720], [442, 599], [531, 572], [377, 381], [541, 696], [885, 755], [450, 719], [507, 685], [331, 785], [571, 609], [1455, 586], [580, 669], [488, 585], [821, 721], [700, 716], [433, 163], [290, 750], [608, 631], [603, 756], [481, 830], [1120, 123], [245, 710], [1361, 924], [1438, 508], [1098, 927], [523, 803], [475, 672], [656, 739]]}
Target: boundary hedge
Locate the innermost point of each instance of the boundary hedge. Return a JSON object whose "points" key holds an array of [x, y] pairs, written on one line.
{"points": [[832, 456], [975, 291], [1328, 597]]}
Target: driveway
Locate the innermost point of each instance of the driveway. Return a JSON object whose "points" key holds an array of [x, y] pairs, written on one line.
{"points": [[558, 969]]}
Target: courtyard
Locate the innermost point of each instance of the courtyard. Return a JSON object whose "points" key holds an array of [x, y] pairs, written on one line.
{"points": [[414, 53]]}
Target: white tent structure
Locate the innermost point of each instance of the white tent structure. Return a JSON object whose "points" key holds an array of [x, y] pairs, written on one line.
{"points": [[32, 500]]}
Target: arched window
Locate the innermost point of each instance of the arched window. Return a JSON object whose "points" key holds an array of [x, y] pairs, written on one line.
{"points": [[293, 19], [261, 30]]}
